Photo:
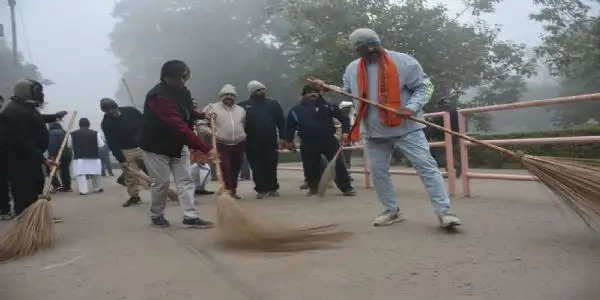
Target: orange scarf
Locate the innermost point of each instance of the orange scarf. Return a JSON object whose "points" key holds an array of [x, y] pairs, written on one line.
{"points": [[388, 93]]}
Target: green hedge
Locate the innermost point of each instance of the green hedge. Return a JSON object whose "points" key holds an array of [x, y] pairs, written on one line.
{"points": [[481, 157]]}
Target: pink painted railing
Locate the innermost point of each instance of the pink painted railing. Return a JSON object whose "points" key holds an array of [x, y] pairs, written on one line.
{"points": [[447, 143], [464, 145]]}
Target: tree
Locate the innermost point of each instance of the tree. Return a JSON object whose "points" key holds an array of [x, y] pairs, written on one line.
{"points": [[498, 92], [11, 72], [456, 56], [223, 41], [570, 44], [571, 50]]}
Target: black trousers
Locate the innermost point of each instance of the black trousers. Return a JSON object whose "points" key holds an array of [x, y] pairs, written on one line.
{"points": [[311, 151], [263, 159], [439, 154], [27, 182], [4, 196], [245, 170], [63, 172]]}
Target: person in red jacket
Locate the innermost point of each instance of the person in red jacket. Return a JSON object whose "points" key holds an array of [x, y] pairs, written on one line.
{"points": [[167, 132]]}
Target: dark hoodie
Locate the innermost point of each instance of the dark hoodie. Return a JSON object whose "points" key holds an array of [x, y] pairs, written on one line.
{"points": [[264, 117], [314, 120], [26, 135], [56, 136]]}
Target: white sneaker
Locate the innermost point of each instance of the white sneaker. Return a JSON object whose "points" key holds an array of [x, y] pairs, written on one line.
{"points": [[388, 218], [449, 221]]}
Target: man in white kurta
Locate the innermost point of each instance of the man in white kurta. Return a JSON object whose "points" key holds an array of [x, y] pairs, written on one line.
{"points": [[86, 151]]}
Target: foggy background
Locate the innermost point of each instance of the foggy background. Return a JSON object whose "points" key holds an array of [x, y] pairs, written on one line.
{"points": [[69, 41]]}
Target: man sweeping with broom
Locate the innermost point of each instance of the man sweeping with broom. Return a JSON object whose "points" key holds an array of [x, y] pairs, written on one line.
{"points": [[313, 118], [395, 80], [27, 140], [167, 133]]}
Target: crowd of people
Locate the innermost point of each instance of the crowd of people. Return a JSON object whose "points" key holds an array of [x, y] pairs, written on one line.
{"points": [[171, 138]]}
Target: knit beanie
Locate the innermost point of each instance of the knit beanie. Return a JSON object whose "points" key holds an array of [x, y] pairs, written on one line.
{"points": [[107, 104], [363, 36], [254, 86]]}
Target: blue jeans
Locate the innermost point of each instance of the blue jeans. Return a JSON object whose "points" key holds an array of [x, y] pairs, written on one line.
{"points": [[415, 148]]}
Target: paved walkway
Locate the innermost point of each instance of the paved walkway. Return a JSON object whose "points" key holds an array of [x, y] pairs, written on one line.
{"points": [[515, 244]]}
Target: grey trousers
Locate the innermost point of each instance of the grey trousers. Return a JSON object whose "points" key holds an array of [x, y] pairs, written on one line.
{"points": [[415, 147], [160, 168]]}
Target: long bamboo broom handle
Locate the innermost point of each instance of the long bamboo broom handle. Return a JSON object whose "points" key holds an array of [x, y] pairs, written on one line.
{"points": [[216, 160], [59, 155], [466, 137]]}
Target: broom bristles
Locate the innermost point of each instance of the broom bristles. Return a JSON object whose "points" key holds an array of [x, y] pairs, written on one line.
{"points": [[328, 174], [575, 181], [326, 178], [240, 228], [31, 231]]}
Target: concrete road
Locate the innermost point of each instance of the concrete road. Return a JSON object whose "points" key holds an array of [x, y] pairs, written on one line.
{"points": [[516, 243]]}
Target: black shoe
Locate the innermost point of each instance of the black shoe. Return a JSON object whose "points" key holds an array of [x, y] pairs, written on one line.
{"points": [[349, 192], [203, 192], [304, 186], [100, 191], [261, 195], [198, 223], [67, 190], [160, 221], [132, 201], [236, 196], [274, 193], [82, 194]]}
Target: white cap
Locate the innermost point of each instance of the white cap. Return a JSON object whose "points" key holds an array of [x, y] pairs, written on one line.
{"points": [[227, 89]]}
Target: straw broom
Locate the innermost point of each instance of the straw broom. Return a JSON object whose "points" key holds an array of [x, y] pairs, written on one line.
{"points": [[33, 229], [328, 173], [238, 227], [171, 193], [576, 182]]}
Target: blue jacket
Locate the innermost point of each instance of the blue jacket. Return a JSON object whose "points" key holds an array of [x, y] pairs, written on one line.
{"points": [[314, 120]]}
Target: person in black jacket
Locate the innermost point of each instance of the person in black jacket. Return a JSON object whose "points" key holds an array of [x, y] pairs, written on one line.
{"points": [[167, 133], [57, 134], [313, 119], [26, 140], [432, 134], [122, 126], [264, 118], [4, 191], [86, 151]]}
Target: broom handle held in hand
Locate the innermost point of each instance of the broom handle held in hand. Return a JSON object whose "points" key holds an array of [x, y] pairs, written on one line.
{"points": [[444, 129], [216, 160], [60, 152]]}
